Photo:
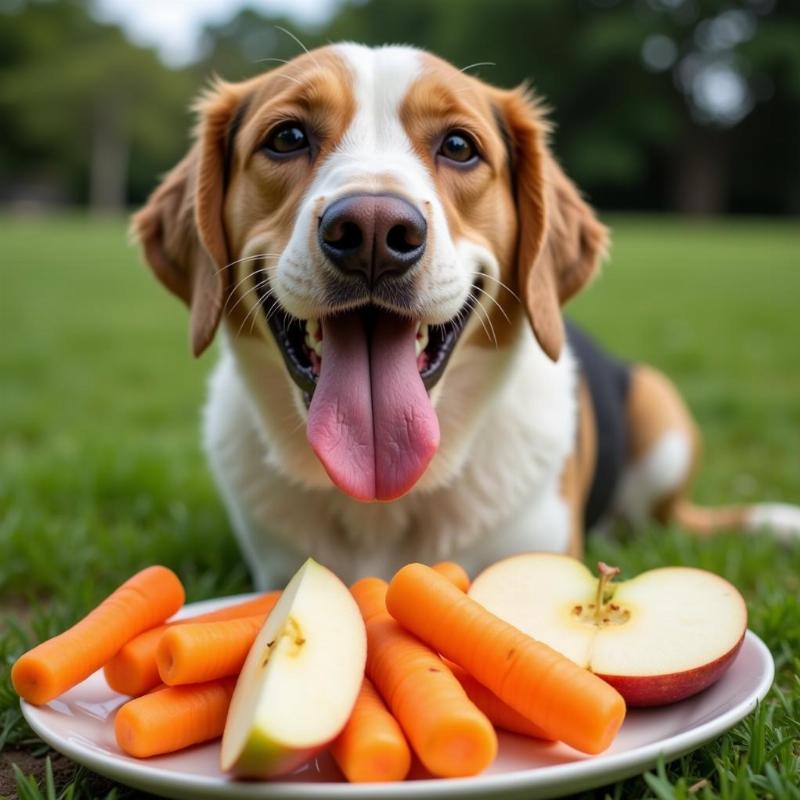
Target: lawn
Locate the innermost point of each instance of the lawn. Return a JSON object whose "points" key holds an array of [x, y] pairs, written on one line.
{"points": [[101, 472]]}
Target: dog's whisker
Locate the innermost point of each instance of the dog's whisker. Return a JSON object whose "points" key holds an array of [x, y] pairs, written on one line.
{"points": [[272, 311], [241, 327], [288, 319], [244, 322], [252, 313], [480, 319], [252, 290], [501, 284], [302, 84], [275, 310], [500, 308], [305, 49], [484, 314], [479, 64], [250, 258], [461, 316], [255, 273], [250, 318], [271, 58]]}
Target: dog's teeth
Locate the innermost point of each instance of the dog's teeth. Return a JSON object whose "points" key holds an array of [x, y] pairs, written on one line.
{"points": [[422, 338], [313, 337], [314, 344]]}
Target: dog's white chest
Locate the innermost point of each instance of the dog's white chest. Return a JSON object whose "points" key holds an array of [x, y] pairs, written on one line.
{"points": [[494, 492]]}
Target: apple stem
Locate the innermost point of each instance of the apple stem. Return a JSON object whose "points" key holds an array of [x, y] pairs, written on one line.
{"points": [[607, 575]]}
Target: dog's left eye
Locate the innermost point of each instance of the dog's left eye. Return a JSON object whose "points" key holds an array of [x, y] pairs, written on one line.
{"points": [[287, 138], [458, 146]]}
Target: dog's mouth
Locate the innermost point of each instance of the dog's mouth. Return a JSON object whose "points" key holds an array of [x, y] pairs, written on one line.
{"points": [[365, 374], [301, 340]]}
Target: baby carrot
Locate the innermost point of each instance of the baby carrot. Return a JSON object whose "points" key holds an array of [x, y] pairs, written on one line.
{"points": [[568, 702], [451, 737], [134, 671], [497, 712], [54, 666], [455, 573], [370, 594], [172, 718], [371, 748], [205, 651]]}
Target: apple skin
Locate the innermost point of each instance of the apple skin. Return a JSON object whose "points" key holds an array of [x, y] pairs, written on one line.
{"points": [[262, 756], [532, 591], [643, 691]]}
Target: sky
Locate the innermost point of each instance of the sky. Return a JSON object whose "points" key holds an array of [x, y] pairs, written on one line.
{"points": [[174, 26]]}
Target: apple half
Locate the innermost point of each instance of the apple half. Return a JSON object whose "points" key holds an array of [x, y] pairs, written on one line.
{"points": [[300, 680], [657, 638]]}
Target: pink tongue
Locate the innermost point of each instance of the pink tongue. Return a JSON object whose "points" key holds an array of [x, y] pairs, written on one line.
{"points": [[371, 422]]}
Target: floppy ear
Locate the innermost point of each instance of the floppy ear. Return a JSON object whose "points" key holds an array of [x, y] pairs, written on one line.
{"points": [[560, 241], [180, 229]]}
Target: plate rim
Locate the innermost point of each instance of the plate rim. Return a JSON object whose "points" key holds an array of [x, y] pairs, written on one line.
{"points": [[634, 761]]}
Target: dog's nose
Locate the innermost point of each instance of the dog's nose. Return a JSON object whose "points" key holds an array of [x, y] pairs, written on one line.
{"points": [[372, 234]]}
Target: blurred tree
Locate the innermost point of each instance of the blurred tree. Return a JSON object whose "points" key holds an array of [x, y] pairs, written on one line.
{"points": [[733, 65], [79, 104], [692, 105], [766, 151]]}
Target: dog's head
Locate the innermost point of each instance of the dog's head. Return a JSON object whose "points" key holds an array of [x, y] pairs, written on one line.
{"points": [[370, 215]]}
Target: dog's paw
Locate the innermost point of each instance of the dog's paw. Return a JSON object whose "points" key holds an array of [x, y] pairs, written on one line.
{"points": [[780, 519]]}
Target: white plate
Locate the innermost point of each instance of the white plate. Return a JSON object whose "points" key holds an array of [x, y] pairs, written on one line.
{"points": [[80, 725]]}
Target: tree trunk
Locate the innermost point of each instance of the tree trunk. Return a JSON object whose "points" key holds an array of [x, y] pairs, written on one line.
{"points": [[108, 177], [700, 184]]}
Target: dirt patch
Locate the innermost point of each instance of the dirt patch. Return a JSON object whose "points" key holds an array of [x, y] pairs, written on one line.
{"points": [[64, 772], [63, 769]]}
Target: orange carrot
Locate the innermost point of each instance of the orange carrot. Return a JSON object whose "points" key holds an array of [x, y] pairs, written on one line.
{"points": [[205, 651], [568, 702], [134, 670], [371, 748], [173, 718], [370, 594], [455, 573], [54, 666], [451, 737], [498, 713]]}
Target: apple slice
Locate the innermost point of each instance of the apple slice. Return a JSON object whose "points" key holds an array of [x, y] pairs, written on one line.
{"points": [[300, 680], [658, 638]]}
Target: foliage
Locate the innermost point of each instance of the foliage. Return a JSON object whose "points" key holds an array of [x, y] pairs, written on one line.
{"points": [[62, 76], [688, 104]]}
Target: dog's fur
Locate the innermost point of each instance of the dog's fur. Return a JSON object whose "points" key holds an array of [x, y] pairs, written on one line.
{"points": [[518, 436]]}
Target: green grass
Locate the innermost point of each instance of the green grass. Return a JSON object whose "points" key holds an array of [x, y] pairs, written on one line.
{"points": [[101, 472]]}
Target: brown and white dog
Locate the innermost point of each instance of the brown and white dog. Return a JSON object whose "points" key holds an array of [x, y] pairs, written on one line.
{"points": [[385, 244]]}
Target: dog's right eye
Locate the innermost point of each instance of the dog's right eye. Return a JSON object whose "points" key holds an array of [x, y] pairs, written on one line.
{"points": [[286, 139]]}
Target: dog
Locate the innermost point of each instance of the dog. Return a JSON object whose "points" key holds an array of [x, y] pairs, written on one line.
{"points": [[383, 244]]}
